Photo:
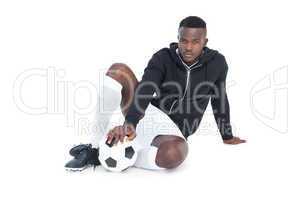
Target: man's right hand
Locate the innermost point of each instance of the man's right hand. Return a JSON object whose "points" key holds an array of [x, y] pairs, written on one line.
{"points": [[118, 133]]}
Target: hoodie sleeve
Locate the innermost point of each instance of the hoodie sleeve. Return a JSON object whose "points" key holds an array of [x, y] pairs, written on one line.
{"points": [[220, 104], [151, 81]]}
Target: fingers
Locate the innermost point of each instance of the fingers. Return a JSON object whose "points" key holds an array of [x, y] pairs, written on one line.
{"points": [[119, 133], [122, 135], [110, 143], [109, 137], [234, 140], [243, 141], [115, 135], [239, 140]]}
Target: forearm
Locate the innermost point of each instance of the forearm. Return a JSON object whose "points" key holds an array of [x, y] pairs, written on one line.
{"points": [[222, 117]]}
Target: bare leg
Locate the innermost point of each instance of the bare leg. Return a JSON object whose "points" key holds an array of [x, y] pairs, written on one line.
{"points": [[172, 150]]}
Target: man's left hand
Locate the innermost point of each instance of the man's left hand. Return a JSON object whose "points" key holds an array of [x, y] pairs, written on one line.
{"points": [[234, 140]]}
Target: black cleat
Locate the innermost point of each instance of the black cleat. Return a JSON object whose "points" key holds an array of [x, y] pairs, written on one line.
{"points": [[84, 156]]}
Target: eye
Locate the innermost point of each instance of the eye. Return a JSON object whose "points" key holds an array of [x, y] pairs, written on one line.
{"points": [[183, 41]]}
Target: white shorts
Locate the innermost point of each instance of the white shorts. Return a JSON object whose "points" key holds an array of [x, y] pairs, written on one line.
{"points": [[155, 122]]}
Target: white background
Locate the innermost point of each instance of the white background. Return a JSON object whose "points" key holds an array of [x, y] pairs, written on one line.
{"points": [[260, 40]]}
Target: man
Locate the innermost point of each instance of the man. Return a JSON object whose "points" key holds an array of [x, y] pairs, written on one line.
{"points": [[184, 78]]}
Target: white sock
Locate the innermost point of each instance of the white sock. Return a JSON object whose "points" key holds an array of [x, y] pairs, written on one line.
{"points": [[98, 125], [146, 158], [107, 113]]}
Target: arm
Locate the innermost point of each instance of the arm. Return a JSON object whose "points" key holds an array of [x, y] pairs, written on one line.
{"points": [[220, 105], [151, 80], [221, 109], [143, 94]]}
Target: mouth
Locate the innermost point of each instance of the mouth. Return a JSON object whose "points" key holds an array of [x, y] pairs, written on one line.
{"points": [[188, 56]]}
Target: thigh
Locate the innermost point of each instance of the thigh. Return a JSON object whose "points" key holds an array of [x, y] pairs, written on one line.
{"points": [[154, 123]]}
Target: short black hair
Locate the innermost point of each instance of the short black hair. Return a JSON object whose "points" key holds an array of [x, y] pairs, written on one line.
{"points": [[192, 22]]}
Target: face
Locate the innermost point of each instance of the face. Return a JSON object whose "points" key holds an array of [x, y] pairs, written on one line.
{"points": [[191, 41]]}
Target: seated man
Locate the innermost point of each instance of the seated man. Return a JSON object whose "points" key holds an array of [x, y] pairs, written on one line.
{"points": [[184, 78]]}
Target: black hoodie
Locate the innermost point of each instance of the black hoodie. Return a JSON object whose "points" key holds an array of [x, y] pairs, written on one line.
{"points": [[182, 91]]}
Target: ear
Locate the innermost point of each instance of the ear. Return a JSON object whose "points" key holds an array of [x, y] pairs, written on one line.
{"points": [[205, 42]]}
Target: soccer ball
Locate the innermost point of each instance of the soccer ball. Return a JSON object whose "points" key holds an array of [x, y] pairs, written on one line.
{"points": [[118, 157]]}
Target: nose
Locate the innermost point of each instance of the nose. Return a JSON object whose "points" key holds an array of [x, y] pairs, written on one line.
{"points": [[188, 47]]}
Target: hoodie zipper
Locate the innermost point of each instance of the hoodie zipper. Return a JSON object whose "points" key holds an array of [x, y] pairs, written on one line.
{"points": [[188, 69], [188, 79]]}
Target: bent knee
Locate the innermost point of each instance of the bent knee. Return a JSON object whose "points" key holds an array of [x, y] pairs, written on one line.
{"points": [[118, 66], [171, 154], [123, 74]]}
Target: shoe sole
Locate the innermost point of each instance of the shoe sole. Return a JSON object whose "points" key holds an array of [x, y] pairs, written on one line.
{"points": [[78, 169]]}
